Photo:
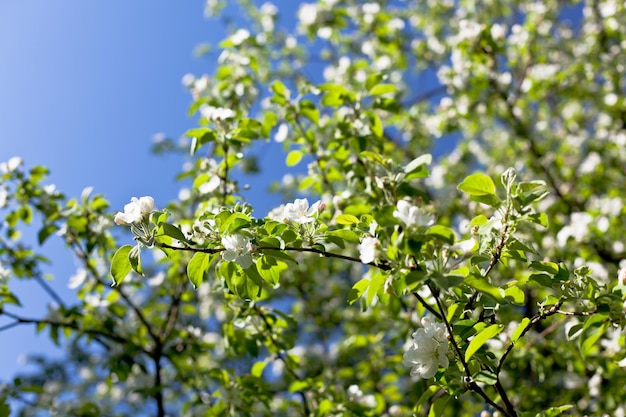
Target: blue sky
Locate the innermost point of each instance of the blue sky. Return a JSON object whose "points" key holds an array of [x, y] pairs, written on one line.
{"points": [[84, 86]]}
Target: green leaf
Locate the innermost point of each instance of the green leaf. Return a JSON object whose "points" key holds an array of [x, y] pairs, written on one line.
{"points": [[120, 264], [481, 284], [441, 232], [555, 411], [538, 218], [357, 290], [347, 219], [486, 377], [197, 267], [520, 329], [376, 124], [5, 409], [134, 257], [380, 89], [515, 295], [293, 158], [481, 338], [307, 109], [46, 232], [415, 164], [173, 231], [549, 267], [257, 369], [345, 234], [269, 269], [377, 281], [478, 184], [279, 88]]}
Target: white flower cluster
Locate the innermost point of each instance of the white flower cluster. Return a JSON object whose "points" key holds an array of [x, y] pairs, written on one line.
{"points": [[11, 165], [216, 113], [134, 211], [356, 395], [428, 350], [4, 273], [238, 248], [300, 212], [411, 215], [368, 249]]}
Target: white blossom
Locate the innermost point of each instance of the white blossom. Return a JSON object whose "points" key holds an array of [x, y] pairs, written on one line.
{"points": [[135, 210], [368, 249], [4, 196], [216, 113], [307, 14], [237, 248], [77, 279], [281, 133], [240, 36], [578, 228], [4, 273], [428, 350], [11, 165], [356, 395], [412, 215], [300, 212]]}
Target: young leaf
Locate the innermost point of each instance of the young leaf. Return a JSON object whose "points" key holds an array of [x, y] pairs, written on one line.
{"points": [[347, 219], [134, 257], [197, 267], [357, 290], [120, 264], [481, 338], [478, 184]]}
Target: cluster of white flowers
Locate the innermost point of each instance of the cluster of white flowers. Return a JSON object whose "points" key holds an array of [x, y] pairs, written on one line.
{"points": [[216, 113], [135, 211], [4, 273], [307, 14], [237, 248], [368, 249], [240, 36], [4, 196], [300, 212], [77, 279], [577, 229], [356, 395], [412, 215], [11, 165], [428, 350]]}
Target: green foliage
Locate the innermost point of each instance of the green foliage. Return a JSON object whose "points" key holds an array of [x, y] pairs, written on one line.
{"points": [[458, 253]]}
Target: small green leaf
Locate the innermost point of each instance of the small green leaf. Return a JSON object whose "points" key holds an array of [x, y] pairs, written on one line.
{"points": [[134, 257], [279, 88], [478, 184], [120, 264], [345, 234], [481, 284], [376, 125], [257, 369], [46, 232], [198, 267], [347, 219], [481, 338], [441, 232], [486, 377], [555, 411], [380, 89], [425, 159], [515, 295], [173, 231], [293, 158], [520, 329], [357, 290]]}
